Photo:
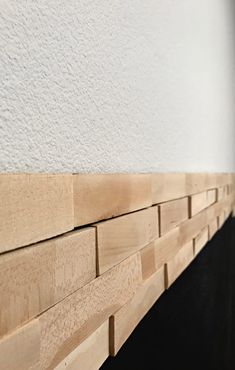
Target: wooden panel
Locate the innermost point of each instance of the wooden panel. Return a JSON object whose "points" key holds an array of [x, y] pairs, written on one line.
{"points": [[91, 353], [221, 193], [201, 240], [120, 237], [67, 324], [168, 186], [34, 278], [34, 207], [98, 197], [148, 260], [221, 219], [200, 201], [179, 263], [172, 214], [124, 321], [213, 227]]}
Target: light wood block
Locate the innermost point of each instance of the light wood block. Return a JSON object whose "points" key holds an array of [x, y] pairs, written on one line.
{"points": [[148, 260], [59, 330], [91, 353], [120, 237], [201, 240], [168, 186], [172, 214], [34, 207], [200, 201], [34, 278], [124, 321], [221, 193], [98, 197], [166, 247], [213, 227], [179, 263], [221, 219]]}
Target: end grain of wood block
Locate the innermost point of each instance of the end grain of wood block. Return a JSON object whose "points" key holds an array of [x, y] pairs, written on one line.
{"points": [[179, 263], [172, 214], [213, 227], [168, 186], [201, 240], [98, 197], [91, 353], [200, 201], [59, 330], [34, 207], [120, 237], [34, 278], [124, 321]]}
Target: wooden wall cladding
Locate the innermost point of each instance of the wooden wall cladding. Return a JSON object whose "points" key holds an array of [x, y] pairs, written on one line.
{"points": [[84, 257]]}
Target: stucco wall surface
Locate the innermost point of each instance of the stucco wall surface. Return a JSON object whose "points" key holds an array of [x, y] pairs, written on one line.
{"points": [[117, 86]]}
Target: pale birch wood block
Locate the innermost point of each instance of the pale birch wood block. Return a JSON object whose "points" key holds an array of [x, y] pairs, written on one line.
{"points": [[166, 247], [62, 328], [168, 186], [213, 227], [98, 197], [120, 237], [201, 240], [179, 263], [221, 219], [222, 193], [172, 213], [91, 353], [200, 201], [196, 182], [124, 321], [34, 278], [148, 260], [21, 349], [34, 207]]}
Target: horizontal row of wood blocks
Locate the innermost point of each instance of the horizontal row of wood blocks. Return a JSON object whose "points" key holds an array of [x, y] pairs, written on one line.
{"points": [[71, 296]]}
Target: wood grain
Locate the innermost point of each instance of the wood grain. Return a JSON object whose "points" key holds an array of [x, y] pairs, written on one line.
{"points": [[98, 197], [172, 214], [124, 321], [34, 278], [63, 327], [91, 353], [166, 247], [200, 201], [34, 207], [179, 263], [200, 241], [120, 237]]}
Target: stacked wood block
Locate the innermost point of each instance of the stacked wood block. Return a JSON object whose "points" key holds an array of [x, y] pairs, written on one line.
{"points": [[84, 257]]}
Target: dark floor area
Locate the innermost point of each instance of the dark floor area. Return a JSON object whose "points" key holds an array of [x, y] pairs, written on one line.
{"points": [[192, 326]]}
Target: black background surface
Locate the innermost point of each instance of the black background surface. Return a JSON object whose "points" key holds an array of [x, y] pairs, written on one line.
{"points": [[192, 325]]}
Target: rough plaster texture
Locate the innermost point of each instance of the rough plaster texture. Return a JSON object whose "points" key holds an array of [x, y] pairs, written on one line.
{"points": [[100, 85]]}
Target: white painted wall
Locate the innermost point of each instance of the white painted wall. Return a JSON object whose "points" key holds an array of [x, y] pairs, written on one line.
{"points": [[113, 85]]}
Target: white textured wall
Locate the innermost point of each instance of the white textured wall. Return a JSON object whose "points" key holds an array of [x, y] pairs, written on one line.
{"points": [[113, 85]]}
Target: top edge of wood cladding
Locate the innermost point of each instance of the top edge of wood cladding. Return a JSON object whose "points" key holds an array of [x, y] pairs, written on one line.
{"points": [[98, 197], [122, 236], [34, 207], [59, 330], [34, 278]]}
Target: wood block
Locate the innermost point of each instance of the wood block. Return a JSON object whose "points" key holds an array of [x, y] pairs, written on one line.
{"points": [[172, 214], [120, 237], [168, 186], [221, 193], [200, 240], [213, 227], [166, 247], [200, 201], [124, 321], [179, 263], [34, 207], [60, 329], [34, 278], [196, 183], [98, 197], [148, 260], [221, 219], [21, 349], [91, 353]]}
